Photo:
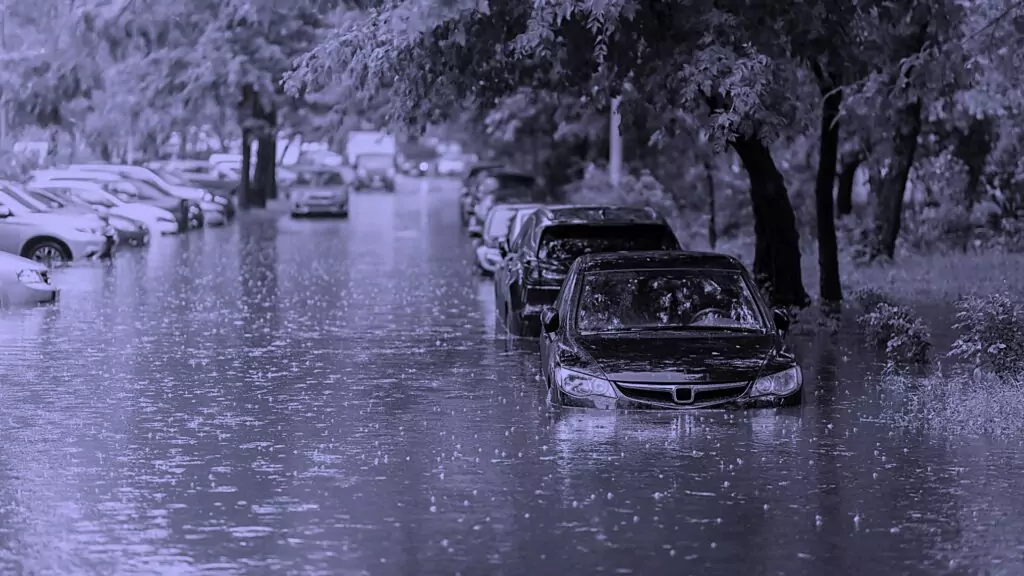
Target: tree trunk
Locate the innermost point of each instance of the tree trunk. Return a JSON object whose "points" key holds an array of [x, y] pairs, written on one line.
{"points": [[266, 170], [828, 151], [889, 209], [245, 187], [777, 252], [712, 220], [844, 193], [183, 136], [973, 148]]}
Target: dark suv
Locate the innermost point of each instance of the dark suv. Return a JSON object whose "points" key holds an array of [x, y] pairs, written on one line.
{"points": [[551, 239]]}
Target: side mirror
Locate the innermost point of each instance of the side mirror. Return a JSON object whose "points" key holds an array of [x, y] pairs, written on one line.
{"points": [[475, 233], [549, 319], [503, 247], [5, 212], [782, 319]]}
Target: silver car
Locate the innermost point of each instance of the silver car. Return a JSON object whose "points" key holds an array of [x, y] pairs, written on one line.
{"points": [[24, 281], [319, 190], [50, 238]]}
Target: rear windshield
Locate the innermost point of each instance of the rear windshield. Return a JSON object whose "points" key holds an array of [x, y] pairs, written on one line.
{"points": [[567, 242], [314, 178]]}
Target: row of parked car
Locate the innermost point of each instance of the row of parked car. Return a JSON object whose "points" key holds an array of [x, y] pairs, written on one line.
{"points": [[626, 318], [57, 216]]}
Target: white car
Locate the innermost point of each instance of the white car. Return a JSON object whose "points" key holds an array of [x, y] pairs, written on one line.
{"points": [[158, 220], [49, 237], [24, 281], [450, 166]]}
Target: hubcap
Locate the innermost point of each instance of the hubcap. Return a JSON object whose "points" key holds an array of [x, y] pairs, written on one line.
{"points": [[48, 255]]}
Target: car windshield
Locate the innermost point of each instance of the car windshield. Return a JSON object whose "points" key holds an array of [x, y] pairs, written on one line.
{"points": [[47, 199], [144, 189], [567, 242], [684, 300], [94, 197], [319, 178], [21, 196], [171, 177], [17, 207], [375, 161]]}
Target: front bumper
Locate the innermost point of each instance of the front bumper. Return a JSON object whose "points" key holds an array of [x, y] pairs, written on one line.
{"points": [[698, 397], [21, 294], [310, 208], [133, 237], [85, 247], [213, 214], [488, 259]]}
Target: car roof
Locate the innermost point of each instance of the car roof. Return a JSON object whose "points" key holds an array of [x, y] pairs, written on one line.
{"points": [[599, 214], [655, 260], [72, 173]]}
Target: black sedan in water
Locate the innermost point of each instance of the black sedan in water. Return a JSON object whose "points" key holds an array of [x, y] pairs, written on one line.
{"points": [[665, 330]]}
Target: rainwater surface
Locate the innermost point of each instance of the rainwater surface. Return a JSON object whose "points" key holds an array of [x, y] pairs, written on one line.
{"points": [[330, 397]]}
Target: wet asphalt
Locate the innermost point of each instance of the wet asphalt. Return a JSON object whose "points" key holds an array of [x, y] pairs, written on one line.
{"points": [[330, 397]]}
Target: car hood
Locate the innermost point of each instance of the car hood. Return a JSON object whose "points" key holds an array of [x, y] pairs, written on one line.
{"points": [[660, 358], [15, 264], [61, 220]]}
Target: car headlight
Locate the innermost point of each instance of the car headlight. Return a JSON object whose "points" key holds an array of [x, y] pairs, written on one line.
{"points": [[31, 277], [207, 197], [583, 385], [779, 384], [424, 166], [220, 200]]}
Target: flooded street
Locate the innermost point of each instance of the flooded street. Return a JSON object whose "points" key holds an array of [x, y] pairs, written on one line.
{"points": [[329, 397]]}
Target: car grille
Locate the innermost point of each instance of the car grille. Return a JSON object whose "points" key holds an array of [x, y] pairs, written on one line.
{"points": [[685, 395]]}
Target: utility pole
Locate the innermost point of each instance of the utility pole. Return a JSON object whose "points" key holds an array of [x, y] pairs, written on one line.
{"points": [[615, 143]]}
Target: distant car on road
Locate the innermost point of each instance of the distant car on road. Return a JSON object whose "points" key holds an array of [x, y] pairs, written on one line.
{"points": [[502, 185], [24, 281], [319, 190], [666, 331], [536, 262], [375, 172]]}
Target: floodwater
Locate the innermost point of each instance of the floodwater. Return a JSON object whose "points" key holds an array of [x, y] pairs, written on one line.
{"points": [[328, 397]]}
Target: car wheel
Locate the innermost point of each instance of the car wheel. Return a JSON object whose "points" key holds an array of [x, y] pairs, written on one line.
{"points": [[344, 215], [49, 252]]}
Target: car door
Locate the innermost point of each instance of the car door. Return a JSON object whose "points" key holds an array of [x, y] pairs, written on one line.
{"points": [[550, 341], [523, 246]]}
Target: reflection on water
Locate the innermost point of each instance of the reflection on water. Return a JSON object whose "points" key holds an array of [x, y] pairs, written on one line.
{"points": [[324, 397]]}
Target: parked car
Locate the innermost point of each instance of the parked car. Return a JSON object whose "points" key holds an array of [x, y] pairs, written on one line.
{"points": [[467, 194], [502, 185], [665, 330], [536, 262], [220, 196], [212, 211], [53, 239], [450, 165], [24, 281], [374, 172], [216, 179], [162, 216], [488, 257], [129, 231], [319, 190]]}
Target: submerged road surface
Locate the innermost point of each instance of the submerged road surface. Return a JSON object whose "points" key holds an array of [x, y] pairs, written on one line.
{"points": [[328, 397]]}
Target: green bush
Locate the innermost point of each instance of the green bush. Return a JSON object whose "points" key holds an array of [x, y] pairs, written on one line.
{"points": [[991, 333], [893, 328]]}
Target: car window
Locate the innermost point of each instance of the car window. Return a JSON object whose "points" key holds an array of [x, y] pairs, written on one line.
{"points": [[17, 208], [567, 242], [499, 222], [517, 242], [687, 300], [48, 200]]}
